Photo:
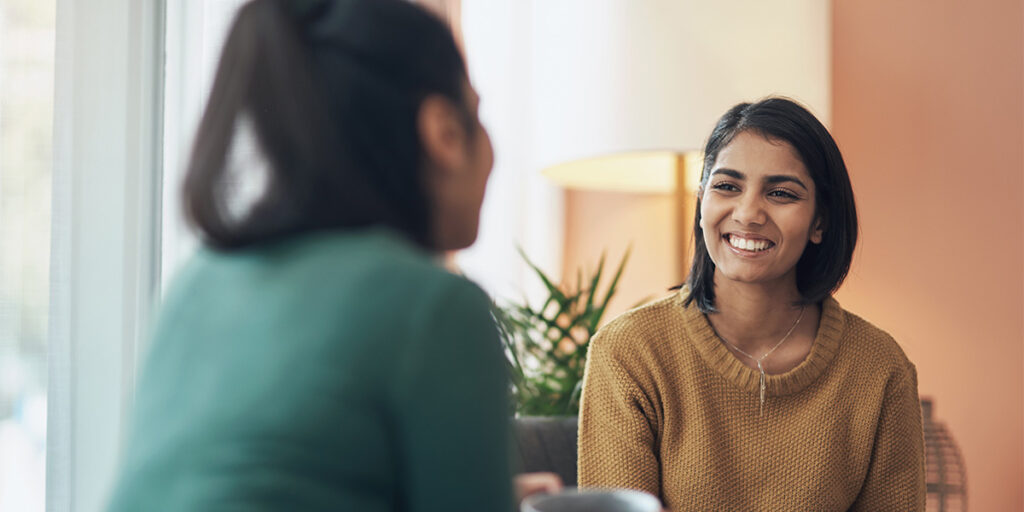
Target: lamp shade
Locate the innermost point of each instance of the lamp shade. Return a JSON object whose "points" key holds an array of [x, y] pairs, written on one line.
{"points": [[645, 172], [623, 76]]}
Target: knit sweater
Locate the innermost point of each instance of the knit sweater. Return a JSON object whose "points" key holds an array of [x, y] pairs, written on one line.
{"points": [[331, 371], [668, 409]]}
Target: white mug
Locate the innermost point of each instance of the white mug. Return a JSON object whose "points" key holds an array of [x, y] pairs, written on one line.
{"points": [[572, 499]]}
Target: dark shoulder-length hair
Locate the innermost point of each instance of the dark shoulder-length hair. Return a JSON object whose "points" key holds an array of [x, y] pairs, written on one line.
{"points": [[329, 91], [822, 267]]}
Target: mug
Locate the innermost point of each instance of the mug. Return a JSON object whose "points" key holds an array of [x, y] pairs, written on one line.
{"points": [[573, 499]]}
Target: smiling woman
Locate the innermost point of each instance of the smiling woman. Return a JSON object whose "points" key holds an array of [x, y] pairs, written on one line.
{"points": [[758, 205], [795, 156], [751, 388]]}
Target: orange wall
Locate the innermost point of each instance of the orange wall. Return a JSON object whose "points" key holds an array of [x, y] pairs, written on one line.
{"points": [[928, 109], [614, 222]]}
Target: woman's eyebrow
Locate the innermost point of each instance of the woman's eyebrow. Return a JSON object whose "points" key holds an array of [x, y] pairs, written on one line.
{"points": [[784, 178], [730, 172], [770, 180]]}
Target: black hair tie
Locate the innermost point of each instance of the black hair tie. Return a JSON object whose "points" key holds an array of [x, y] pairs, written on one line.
{"points": [[305, 11]]}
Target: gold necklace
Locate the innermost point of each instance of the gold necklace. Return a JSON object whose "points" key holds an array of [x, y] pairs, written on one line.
{"points": [[758, 360]]}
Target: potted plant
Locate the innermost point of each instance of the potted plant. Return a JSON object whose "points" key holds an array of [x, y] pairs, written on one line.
{"points": [[547, 351]]}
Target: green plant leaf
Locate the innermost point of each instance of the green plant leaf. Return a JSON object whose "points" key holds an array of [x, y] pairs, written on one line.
{"points": [[611, 290], [547, 380], [592, 290], [555, 293]]}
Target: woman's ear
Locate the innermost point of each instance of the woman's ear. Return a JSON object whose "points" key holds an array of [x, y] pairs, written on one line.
{"points": [[817, 231], [700, 195], [442, 133]]}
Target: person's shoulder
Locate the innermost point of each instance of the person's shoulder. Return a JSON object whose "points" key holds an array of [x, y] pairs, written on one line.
{"points": [[366, 250], [360, 270], [377, 259], [641, 328], [875, 346]]}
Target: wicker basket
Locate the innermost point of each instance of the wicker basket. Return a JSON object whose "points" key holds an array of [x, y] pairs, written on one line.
{"points": [[945, 474]]}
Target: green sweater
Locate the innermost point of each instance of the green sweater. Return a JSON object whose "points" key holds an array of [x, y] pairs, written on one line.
{"points": [[337, 371]]}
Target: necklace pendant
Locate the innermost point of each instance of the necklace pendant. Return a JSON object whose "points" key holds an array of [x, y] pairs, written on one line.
{"points": [[761, 368]]}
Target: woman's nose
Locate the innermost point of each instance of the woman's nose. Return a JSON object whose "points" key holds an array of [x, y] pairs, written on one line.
{"points": [[749, 211]]}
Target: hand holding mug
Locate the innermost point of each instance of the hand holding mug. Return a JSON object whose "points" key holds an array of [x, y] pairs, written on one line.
{"points": [[528, 484]]}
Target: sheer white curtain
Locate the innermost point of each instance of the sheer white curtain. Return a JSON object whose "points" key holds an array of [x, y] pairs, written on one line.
{"points": [[104, 264], [194, 36], [521, 208]]}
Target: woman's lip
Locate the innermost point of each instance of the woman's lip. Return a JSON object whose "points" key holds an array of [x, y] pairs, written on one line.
{"points": [[745, 253], [748, 236], [748, 254]]}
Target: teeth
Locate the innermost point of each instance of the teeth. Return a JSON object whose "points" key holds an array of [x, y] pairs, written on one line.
{"points": [[748, 245]]}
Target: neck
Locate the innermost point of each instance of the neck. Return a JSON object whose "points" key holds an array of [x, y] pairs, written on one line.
{"points": [[754, 316]]}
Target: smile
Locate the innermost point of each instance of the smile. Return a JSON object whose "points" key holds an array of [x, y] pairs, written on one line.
{"points": [[747, 244]]}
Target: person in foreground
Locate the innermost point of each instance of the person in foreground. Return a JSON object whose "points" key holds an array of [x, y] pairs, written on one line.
{"points": [[313, 356], [751, 388]]}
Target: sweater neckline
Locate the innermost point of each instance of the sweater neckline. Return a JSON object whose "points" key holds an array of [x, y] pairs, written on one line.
{"points": [[722, 361]]}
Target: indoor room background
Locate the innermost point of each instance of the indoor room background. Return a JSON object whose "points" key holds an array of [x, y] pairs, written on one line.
{"points": [[927, 106], [99, 99]]}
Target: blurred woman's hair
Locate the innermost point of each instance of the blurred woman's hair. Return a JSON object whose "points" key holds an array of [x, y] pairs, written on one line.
{"points": [[329, 91], [822, 267]]}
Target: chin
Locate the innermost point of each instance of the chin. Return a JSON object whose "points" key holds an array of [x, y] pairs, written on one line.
{"points": [[743, 278], [465, 243], [754, 278], [740, 273], [457, 241]]}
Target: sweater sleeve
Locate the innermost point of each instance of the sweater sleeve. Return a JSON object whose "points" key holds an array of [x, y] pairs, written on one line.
{"points": [[617, 436], [896, 477], [451, 415]]}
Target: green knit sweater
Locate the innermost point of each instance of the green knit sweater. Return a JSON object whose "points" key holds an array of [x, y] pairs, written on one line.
{"points": [[328, 372], [667, 408]]}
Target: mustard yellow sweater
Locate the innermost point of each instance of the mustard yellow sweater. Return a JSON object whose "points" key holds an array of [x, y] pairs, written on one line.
{"points": [[667, 409]]}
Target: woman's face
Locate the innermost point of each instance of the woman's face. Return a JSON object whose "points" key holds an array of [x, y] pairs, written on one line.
{"points": [[460, 164], [758, 211], [480, 161]]}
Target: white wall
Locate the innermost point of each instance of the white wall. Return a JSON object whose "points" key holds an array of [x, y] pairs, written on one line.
{"points": [[521, 207]]}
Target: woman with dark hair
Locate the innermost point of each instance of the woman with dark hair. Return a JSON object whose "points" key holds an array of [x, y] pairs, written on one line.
{"points": [[751, 388], [313, 356]]}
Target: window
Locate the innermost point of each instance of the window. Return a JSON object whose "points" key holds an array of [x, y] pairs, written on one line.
{"points": [[27, 37]]}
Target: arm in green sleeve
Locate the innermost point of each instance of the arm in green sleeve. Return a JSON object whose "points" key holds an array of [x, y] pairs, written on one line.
{"points": [[451, 413]]}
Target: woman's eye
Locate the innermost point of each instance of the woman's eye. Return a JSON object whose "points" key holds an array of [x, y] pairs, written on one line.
{"points": [[783, 194], [725, 186]]}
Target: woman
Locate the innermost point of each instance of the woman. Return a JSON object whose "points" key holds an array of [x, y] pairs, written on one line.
{"points": [[751, 388], [313, 356]]}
